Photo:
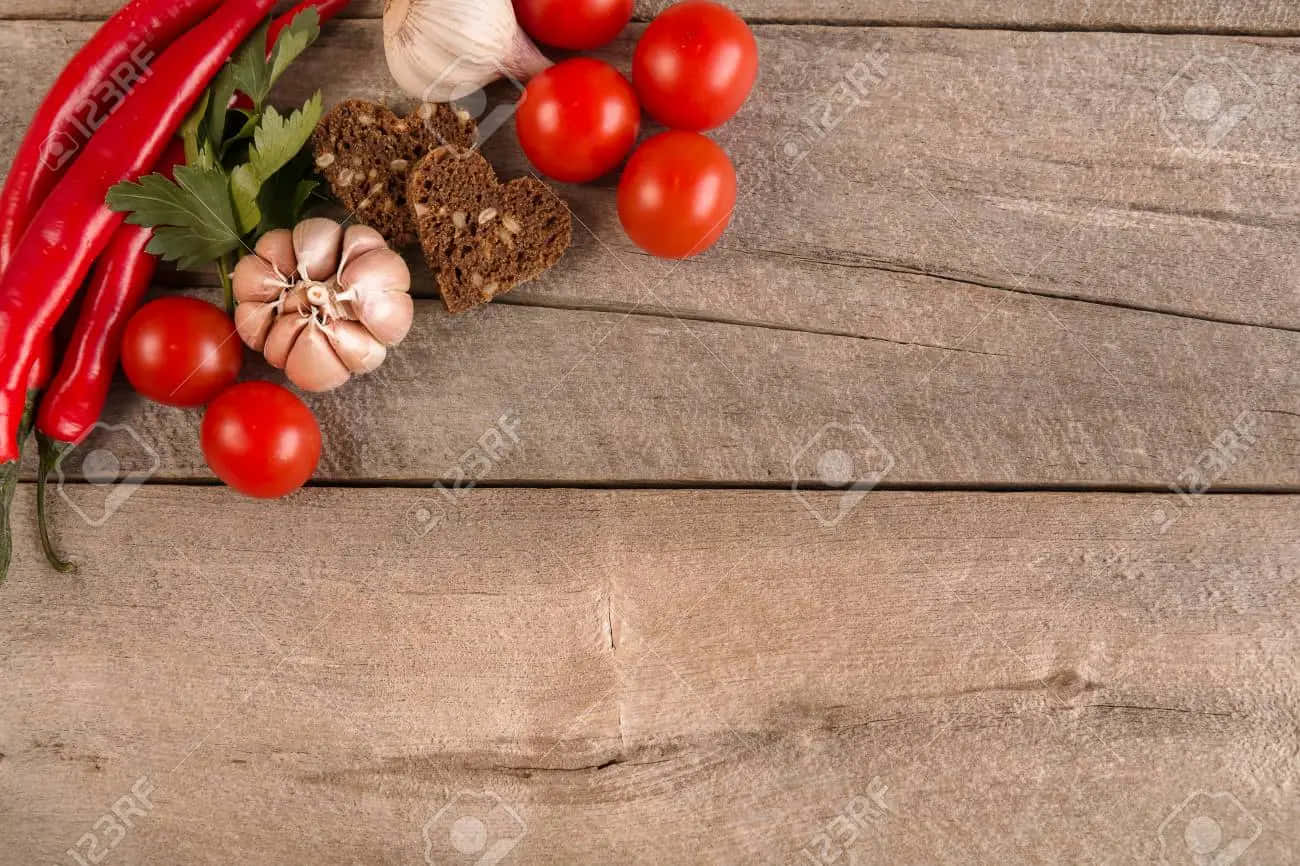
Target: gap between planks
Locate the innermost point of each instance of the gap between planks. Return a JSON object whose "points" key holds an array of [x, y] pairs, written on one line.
{"points": [[990, 487], [869, 24], [521, 297]]}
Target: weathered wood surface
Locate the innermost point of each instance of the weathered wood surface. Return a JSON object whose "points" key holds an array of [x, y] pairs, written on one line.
{"points": [[1031, 162], [652, 677], [998, 270], [1243, 16]]}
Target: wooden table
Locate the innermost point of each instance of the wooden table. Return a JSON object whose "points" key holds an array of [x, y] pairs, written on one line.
{"points": [[1028, 270]]}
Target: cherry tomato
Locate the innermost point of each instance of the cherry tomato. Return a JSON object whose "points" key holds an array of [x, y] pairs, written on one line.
{"points": [[695, 65], [261, 440], [677, 194], [578, 25], [578, 120], [181, 351]]}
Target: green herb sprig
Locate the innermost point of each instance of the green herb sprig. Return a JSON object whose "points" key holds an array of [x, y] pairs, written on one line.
{"points": [[248, 171]]}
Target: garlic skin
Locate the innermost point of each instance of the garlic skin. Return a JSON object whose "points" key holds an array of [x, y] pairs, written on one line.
{"points": [[445, 50], [323, 303]]}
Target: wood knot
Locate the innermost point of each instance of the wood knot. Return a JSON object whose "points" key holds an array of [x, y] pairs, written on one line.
{"points": [[1069, 684]]}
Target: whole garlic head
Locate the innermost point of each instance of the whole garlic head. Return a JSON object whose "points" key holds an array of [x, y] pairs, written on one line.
{"points": [[323, 303], [447, 50]]}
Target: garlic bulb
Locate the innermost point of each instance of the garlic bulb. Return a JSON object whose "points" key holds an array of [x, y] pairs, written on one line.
{"points": [[323, 303], [446, 50]]}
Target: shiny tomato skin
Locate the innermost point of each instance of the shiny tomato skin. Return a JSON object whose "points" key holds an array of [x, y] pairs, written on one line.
{"points": [[578, 120], [695, 66], [578, 25], [262, 440], [181, 351], [677, 194]]}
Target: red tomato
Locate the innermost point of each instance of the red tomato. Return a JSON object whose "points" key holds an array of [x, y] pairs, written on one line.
{"points": [[181, 351], [677, 194], [578, 25], [578, 120], [695, 65], [261, 440]]}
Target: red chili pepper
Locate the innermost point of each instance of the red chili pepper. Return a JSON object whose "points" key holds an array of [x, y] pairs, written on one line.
{"points": [[74, 400], [74, 224], [122, 276], [105, 69]]}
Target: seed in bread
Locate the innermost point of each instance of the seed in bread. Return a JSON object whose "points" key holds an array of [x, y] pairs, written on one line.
{"points": [[482, 237], [365, 152]]}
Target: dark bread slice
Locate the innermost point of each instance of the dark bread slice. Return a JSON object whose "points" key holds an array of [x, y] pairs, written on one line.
{"points": [[365, 152], [482, 237]]}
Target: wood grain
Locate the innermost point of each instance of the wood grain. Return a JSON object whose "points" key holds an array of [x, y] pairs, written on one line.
{"points": [[1245, 16], [1030, 162], [652, 677]]}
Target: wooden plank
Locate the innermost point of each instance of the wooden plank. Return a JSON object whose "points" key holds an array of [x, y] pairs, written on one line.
{"points": [[1245, 16], [1035, 162], [608, 398], [1048, 393], [648, 677]]}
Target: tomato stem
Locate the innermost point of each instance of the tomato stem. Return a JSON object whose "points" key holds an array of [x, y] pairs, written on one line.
{"points": [[51, 451]]}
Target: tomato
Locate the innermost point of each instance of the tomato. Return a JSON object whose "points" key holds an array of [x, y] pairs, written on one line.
{"points": [[261, 440], [695, 65], [578, 120], [578, 25], [181, 351], [677, 194]]}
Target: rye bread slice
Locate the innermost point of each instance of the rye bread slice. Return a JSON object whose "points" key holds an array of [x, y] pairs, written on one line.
{"points": [[366, 152], [482, 237]]}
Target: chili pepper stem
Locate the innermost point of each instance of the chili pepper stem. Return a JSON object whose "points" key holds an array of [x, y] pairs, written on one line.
{"points": [[224, 268], [51, 451], [9, 485]]}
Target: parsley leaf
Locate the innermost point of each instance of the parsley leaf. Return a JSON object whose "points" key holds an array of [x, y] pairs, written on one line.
{"points": [[293, 40], [250, 71], [276, 141], [193, 219]]}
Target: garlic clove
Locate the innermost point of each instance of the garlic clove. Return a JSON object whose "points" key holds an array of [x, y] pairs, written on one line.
{"points": [[359, 240], [313, 365], [317, 242], [361, 352], [253, 322], [387, 315], [375, 272], [255, 279], [279, 342], [277, 248], [445, 50]]}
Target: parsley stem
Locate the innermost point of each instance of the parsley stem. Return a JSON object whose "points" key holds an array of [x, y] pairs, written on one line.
{"points": [[224, 267]]}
